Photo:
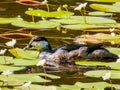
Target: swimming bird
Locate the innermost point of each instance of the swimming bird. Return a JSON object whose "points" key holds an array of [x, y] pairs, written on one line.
{"points": [[66, 54]]}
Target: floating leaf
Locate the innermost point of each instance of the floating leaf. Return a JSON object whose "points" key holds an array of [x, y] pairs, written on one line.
{"points": [[105, 1], [96, 85], [114, 50], [40, 24], [22, 78], [93, 63], [8, 59], [11, 68], [105, 8], [42, 13], [36, 87], [7, 20], [78, 26], [98, 13], [100, 73], [25, 62], [114, 65], [80, 19], [20, 53]]}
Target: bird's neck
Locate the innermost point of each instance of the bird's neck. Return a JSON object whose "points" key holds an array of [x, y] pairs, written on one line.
{"points": [[46, 49]]}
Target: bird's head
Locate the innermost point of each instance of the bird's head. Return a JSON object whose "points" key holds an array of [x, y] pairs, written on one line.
{"points": [[38, 42]]}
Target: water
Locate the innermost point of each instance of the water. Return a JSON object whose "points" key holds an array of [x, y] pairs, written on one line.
{"points": [[9, 8]]}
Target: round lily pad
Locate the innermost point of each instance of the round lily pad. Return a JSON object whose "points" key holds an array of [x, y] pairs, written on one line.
{"points": [[105, 1], [93, 63], [36, 87], [7, 20], [81, 20], [113, 65], [96, 85], [42, 13], [6, 60], [11, 68], [105, 7], [40, 24], [99, 13], [25, 62], [20, 53], [21, 78], [114, 50], [100, 73]]}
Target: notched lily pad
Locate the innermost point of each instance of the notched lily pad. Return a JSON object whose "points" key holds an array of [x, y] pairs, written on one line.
{"points": [[6, 60], [100, 73]]}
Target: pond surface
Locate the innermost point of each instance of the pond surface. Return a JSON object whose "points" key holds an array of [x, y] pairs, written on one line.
{"points": [[9, 8]]}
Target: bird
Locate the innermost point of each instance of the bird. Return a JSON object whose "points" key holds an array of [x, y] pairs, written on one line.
{"points": [[66, 54]]}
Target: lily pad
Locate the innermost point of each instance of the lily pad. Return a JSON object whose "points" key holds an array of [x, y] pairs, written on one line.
{"points": [[22, 78], [40, 24], [20, 53], [98, 13], [6, 60], [25, 62], [105, 1], [114, 50], [7, 20], [11, 68], [100, 73], [36, 87], [78, 26], [42, 13], [96, 85], [80, 19], [93, 63], [114, 65], [105, 8]]}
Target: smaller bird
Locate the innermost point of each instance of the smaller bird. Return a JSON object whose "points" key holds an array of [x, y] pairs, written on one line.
{"points": [[66, 54]]}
